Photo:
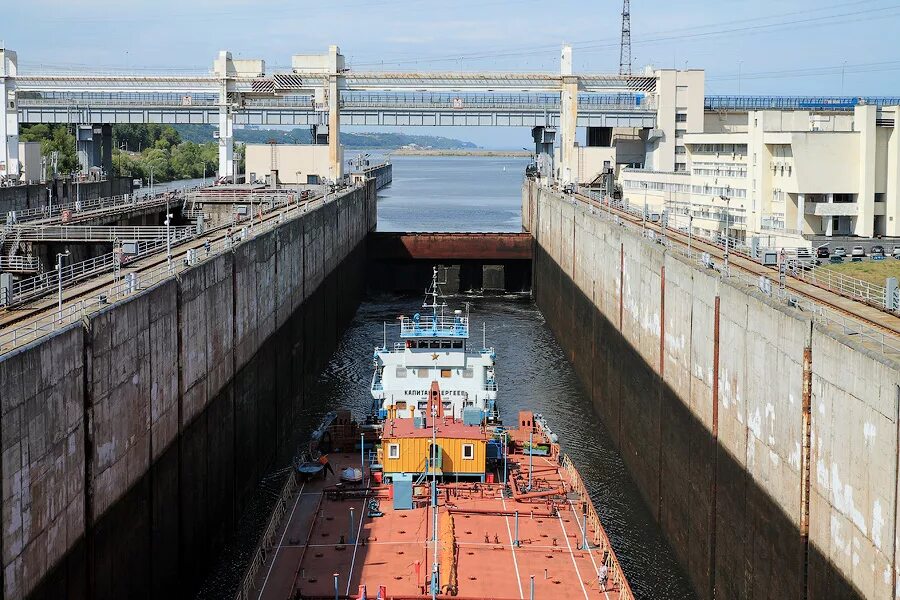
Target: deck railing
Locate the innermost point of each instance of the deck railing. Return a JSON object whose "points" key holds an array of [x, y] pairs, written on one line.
{"points": [[599, 539], [267, 541], [456, 326]]}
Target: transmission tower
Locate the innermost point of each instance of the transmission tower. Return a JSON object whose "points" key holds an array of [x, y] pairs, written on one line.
{"points": [[625, 48]]}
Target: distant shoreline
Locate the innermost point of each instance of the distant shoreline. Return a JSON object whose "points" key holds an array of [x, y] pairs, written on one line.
{"points": [[460, 152]]}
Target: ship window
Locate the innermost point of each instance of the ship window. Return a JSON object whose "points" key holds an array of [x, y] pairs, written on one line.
{"points": [[445, 344], [394, 451], [457, 344], [400, 405], [401, 371], [468, 373], [423, 373], [468, 451], [446, 373]]}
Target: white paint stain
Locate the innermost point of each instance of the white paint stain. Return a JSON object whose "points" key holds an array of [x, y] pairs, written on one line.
{"points": [[776, 460], [837, 537], [770, 422], [842, 499], [794, 457], [754, 422], [869, 433], [877, 523]]}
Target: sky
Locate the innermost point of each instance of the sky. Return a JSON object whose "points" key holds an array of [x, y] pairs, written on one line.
{"points": [[781, 47]]}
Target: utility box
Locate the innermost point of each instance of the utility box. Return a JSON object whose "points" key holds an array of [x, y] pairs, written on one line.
{"points": [[403, 492], [472, 415]]}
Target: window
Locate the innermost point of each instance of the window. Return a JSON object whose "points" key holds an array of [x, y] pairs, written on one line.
{"points": [[468, 451], [394, 451], [679, 133], [401, 372], [680, 166], [468, 373], [423, 373], [680, 150], [446, 373], [681, 117]]}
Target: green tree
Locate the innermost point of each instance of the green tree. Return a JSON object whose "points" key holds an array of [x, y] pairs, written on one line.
{"points": [[53, 138]]}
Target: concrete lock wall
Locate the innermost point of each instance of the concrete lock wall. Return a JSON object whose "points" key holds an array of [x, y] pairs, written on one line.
{"points": [[701, 384], [131, 445]]}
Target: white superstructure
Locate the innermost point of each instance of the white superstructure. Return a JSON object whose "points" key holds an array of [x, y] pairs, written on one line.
{"points": [[434, 347]]}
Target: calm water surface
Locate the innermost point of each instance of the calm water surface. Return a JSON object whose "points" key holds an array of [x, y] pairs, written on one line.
{"points": [[453, 193]]}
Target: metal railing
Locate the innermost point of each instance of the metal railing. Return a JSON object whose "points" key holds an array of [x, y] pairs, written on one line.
{"points": [[100, 233], [824, 103], [19, 264], [854, 327], [133, 282], [267, 541], [852, 287], [35, 287], [456, 326]]}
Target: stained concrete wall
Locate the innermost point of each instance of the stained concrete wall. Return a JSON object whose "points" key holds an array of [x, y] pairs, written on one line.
{"points": [[701, 383], [132, 444], [21, 197]]}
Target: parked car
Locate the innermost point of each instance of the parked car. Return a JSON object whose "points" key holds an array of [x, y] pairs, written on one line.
{"points": [[858, 252], [896, 252], [839, 252], [822, 252], [877, 251]]}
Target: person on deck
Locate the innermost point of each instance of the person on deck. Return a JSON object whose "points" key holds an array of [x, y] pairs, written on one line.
{"points": [[326, 466]]}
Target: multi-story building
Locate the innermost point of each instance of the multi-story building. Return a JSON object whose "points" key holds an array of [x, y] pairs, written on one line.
{"points": [[781, 175]]}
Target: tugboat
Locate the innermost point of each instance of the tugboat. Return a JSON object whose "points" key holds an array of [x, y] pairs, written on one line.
{"points": [[434, 346]]}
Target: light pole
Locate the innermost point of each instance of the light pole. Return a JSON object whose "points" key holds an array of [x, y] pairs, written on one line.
{"points": [[59, 258], [168, 239], [724, 198], [644, 211]]}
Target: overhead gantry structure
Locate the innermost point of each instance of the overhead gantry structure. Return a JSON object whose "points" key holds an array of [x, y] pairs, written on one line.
{"points": [[320, 91]]}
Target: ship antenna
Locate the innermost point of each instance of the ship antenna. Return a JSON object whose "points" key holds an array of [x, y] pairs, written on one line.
{"points": [[384, 334], [484, 335]]}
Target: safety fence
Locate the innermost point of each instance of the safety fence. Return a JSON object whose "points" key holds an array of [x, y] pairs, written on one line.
{"points": [[825, 314], [132, 280]]}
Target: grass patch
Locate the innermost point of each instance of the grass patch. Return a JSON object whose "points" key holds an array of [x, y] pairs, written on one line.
{"points": [[873, 271]]}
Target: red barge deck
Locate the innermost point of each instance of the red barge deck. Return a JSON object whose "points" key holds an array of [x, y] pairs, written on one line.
{"points": [[525, 543]]}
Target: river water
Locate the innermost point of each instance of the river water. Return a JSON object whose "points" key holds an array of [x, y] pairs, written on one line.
{"points": [[483, 194]]}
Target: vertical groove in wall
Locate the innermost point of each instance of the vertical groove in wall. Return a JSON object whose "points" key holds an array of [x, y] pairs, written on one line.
{"points": [[805, 459], [621, 281], [88, 426], [660, 388], [714, 484], [179, 403], [896, 479]]}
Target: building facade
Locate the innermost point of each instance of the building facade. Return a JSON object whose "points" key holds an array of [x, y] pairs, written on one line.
{"points": [[783, 176]]}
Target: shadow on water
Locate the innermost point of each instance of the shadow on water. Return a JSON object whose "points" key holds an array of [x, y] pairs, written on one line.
{"points": [[727, 532]]}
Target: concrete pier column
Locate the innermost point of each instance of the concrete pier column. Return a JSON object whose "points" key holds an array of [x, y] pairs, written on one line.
{"points": [[864, 123], [226, 138], [892, 206], [84, 147], [568, 118], [829, 220], [106, 162], [335, 83], [335, 159], [9, 116], [801, 207]]}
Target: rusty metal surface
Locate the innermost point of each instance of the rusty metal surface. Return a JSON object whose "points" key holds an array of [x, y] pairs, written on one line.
{"points": [[450, 246]]}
